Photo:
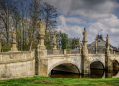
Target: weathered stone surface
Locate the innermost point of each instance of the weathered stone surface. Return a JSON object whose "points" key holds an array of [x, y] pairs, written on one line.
{"points": [[17, 64]]}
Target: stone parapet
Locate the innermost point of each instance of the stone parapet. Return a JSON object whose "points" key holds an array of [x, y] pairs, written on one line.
{"points": [[10, 57]]}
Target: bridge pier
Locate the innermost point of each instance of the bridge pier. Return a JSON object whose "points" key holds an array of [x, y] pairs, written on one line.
{"points": [[85, 65], [85, 68], [108, 61]]}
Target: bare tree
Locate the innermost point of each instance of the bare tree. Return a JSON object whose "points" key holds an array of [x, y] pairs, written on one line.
{"points": [[6, 10], [49, 14]]}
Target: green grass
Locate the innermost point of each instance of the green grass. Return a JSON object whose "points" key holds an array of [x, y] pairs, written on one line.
{"points": [[47, 81]]}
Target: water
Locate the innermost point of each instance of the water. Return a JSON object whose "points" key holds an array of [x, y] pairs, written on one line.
{"points": [[95, 73]]}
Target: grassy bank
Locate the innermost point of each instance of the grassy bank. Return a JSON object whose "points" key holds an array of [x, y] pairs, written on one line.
{"points": [[44, 81]]}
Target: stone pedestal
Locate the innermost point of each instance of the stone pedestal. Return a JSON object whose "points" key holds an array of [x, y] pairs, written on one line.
{"points": [[54, 48], [14, 47]]}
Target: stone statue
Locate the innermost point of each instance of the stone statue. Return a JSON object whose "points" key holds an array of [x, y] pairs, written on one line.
{"points": [[84, 34], [54, 39], [42, 27], [0, 42], [79, 41], [107, 41], [14, 36], [41, 37], [79, 44], [14, 43]]}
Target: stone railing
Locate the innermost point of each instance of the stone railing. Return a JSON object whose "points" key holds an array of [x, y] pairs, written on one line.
{"points": [[117, 53], [91, 52], [65, 51], [73, 51], [77, 51], [100, 51], [53, 51], [94, 52]]}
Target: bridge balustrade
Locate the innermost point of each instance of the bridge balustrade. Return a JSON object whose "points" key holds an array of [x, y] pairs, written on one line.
{"points": [[51, 51], [61, 51], [117, 53], [111, 52], [73, 51], [101, 52], [94, 52], [91, 52]]}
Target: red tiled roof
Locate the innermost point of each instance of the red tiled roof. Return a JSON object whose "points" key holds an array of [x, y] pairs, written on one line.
{"points": [[114, 48]]}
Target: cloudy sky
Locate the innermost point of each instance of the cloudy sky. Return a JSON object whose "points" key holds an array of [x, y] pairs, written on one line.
{"points": [[95, 15]]}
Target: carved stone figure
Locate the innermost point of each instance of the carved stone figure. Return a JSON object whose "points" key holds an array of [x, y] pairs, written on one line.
{"points": [[54, 41], [107, 42], [0, 42], [14, 36], [42, 27], [79, 44], [14, 43], [84, 34]]}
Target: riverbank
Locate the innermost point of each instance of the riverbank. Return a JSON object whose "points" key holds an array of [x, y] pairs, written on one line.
{"points": [[47, 81]]}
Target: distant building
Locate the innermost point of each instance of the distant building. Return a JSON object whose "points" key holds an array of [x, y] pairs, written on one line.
{"points": [[101, 44]]}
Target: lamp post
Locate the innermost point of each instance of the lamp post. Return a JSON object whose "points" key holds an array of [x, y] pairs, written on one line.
{"points": [[99, 31]]}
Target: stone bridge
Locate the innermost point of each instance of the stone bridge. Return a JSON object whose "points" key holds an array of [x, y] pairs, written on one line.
{"points": [[40, 62]]}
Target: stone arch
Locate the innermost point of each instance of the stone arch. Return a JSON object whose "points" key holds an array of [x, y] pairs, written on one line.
{"points": [[100, 62], [97, 69], [62, 62], [115, 61], [115, 67]]}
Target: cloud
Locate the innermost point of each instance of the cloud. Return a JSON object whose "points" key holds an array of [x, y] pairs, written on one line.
{"points": [[63, 6], [92, 9], [73, 20], [72, 31], [109, 25]]}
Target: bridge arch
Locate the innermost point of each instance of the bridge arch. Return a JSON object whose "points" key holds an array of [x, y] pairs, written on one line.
{"points": [[63, 62], [97, 65], [115, 64]]}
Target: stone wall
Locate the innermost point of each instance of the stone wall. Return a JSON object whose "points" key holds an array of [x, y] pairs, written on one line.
{"points": [[17, 64]]}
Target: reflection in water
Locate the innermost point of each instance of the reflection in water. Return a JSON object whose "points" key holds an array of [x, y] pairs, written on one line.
{"points": [[95, 73]]}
